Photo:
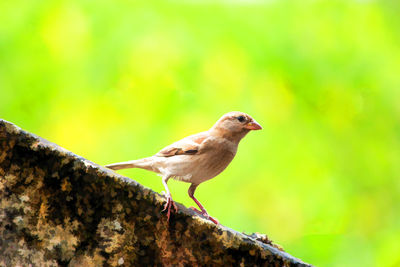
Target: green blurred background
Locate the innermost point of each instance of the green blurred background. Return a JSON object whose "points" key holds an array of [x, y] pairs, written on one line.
{"points": [[119, 80]]}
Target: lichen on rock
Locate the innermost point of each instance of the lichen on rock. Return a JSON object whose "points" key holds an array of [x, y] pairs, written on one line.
{"points": [[59, 209]]}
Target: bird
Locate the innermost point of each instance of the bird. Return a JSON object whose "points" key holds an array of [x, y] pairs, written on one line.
{"points": [[197, 158]]}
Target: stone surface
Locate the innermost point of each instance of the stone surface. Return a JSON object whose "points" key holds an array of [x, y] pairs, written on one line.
{"points": [[59, 209]]}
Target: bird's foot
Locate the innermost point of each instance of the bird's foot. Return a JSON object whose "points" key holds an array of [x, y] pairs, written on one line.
{"points": [[205, 214], [167, 207]]}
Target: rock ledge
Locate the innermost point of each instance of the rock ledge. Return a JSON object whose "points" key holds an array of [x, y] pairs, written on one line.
{"points": [[59, 209]]}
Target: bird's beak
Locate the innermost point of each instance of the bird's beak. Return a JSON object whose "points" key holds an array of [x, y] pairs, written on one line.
{"points": [[253, 125]]}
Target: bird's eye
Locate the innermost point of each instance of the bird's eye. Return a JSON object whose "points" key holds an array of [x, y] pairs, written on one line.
{"points": [[241, 118]]}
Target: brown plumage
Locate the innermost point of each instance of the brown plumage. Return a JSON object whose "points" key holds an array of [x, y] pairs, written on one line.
{"points": [[197, 158]]}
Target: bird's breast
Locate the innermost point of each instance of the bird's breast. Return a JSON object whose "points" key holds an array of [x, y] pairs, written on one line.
{"points": [[208, 165]]}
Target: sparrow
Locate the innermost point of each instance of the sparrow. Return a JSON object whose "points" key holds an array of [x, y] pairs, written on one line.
{"points": [[197, 158]]}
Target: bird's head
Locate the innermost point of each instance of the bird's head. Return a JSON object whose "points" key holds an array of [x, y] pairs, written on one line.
{"points": [[235, 125]]}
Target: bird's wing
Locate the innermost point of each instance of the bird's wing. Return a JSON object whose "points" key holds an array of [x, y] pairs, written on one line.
{"points": [[187, 146]]}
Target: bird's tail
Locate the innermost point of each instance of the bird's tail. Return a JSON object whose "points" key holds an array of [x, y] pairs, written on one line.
{"points": [[146, 163]]}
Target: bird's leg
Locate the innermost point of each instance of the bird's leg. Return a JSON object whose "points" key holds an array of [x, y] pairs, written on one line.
{"points": [[203, 211], [170, 202]]}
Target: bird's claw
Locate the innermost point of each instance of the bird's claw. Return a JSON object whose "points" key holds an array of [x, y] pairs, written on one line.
{"points": [[196, 210], [170, 203], [205, 214]]}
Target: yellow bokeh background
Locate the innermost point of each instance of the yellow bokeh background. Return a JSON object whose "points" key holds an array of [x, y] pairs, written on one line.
{"points": [[119, 80]]}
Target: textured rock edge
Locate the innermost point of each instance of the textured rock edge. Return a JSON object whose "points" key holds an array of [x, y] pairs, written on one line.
{"points": [[101, 234]]}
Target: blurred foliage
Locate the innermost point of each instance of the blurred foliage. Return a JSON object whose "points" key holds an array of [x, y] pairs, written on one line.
{"points": [[119, 80]]}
